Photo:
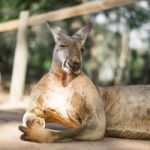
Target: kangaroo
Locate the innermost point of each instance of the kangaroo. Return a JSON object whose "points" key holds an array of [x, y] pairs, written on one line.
{"points": [[65, 95]]}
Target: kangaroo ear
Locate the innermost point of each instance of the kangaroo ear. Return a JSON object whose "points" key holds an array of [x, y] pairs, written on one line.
{"points": [[81, 35], [56, 31]]}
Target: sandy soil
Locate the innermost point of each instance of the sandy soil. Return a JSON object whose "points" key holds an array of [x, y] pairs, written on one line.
{"points": [[10, 119]]}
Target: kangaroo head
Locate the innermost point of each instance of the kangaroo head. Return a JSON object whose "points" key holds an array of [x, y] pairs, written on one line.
{"points": [[68, 51]]}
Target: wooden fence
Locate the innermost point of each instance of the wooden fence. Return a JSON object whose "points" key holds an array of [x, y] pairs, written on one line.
{"points": [[21, 54]]}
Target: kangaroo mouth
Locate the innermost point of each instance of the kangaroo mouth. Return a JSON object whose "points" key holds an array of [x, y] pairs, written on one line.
{"points": [[66, 67]]}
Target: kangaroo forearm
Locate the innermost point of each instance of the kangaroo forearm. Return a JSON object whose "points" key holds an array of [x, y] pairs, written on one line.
{"points": [[52, 116]]}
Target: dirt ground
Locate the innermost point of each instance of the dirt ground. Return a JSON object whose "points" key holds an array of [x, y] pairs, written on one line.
{"points": [[10, 119]]}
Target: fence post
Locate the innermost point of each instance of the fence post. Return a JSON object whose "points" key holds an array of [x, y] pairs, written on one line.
{"points": [[20, 59]]}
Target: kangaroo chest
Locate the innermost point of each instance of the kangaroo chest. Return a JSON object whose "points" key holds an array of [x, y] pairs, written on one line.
{"points": [[59, 98]]}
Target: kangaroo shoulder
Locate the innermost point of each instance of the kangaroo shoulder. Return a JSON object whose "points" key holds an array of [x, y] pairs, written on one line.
{"points": [[85, 87], [84, 82], [43, 85]]}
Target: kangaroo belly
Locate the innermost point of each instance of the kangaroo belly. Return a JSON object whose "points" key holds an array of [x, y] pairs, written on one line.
{"points": [[128, 111]]}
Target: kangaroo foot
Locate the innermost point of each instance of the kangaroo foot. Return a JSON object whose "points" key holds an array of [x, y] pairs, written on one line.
{"points": [[35, 132]]}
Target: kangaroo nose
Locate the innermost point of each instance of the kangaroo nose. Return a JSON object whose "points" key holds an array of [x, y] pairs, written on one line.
{"points": [[74, 65]]}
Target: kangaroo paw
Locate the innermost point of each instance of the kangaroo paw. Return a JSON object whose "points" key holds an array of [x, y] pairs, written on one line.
{"points": [[36, 120], [25, 135], [37, 134]]}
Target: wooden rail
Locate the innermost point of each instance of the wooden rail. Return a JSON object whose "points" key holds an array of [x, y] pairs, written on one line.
{"points": [[82, 9]]}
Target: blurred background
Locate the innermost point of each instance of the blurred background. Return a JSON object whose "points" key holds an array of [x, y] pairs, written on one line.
{"points": [[117, 49]]}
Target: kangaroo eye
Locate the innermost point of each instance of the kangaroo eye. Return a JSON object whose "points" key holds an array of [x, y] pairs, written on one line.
{"points": [[82, 49], [62, 45]]}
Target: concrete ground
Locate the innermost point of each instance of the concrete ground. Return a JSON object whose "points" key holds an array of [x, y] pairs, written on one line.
{"points": [[10, 119]]}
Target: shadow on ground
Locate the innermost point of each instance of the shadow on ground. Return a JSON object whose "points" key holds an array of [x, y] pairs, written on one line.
{"points": [[14, 115]]}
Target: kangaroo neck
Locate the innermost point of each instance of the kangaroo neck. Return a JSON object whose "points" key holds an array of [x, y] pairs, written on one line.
{"points": [[62, 77]]}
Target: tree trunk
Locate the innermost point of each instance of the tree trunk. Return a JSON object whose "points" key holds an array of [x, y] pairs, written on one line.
{"points": [[124, 53]]}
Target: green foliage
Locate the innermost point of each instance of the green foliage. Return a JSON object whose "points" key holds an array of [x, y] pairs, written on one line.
{"points": [[10, 9], [40, 40], [41, 43]]}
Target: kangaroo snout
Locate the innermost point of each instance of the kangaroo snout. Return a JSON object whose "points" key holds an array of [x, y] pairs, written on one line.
{"points": [[74, 65]]}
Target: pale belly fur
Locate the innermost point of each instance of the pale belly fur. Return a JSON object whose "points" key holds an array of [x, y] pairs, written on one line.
{"points": [[59, 99]]}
